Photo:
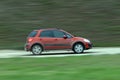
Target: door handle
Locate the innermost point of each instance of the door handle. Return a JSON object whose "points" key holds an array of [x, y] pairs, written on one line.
{"points": [[56, 39], [40, 39]]}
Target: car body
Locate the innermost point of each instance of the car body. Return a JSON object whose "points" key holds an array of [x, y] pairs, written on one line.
{"points": [[55, 39]]}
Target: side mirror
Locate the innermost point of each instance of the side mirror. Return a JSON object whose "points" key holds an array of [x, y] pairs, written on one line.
{"points": [[65, 37]]}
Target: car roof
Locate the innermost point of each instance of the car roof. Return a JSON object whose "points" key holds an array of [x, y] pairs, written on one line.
{"points": [[48, 29]]}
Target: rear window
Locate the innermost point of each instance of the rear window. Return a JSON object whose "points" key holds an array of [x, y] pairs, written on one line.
{"points": [[32, 34]]}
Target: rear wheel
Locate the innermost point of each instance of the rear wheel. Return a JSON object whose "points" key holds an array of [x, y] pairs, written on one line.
{"points": [[78, 48], [36, 49]]}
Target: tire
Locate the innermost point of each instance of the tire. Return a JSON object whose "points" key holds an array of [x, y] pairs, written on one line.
{"points": [[78, 48], [36, 49]]}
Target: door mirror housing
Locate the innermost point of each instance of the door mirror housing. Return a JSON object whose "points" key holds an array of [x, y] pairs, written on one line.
{"points": [[65, 37]]}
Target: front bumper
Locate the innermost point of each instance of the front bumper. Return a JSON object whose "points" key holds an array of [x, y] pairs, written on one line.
{"points": [[89, 45]]}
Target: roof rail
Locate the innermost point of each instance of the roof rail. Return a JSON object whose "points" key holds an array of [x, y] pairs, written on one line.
{"points": [[48, 28]]}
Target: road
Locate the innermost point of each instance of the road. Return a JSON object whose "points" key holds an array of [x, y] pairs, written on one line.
{"points": [[94, 51]]}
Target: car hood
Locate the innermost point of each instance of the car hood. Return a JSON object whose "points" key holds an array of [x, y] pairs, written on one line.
{"points": [[81, 38]]}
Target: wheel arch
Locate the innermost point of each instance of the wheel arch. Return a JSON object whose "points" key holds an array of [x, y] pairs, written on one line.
{"points": [[77, 43], [37, 44]]}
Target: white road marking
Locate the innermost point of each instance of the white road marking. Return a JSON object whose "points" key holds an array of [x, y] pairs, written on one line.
{"points": [[94, 51]]}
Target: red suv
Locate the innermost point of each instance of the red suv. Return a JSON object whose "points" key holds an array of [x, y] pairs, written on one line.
{"points": [[55, 39]]}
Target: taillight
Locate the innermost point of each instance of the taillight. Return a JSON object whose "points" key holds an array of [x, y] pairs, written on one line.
{"points": [[30, 39]]}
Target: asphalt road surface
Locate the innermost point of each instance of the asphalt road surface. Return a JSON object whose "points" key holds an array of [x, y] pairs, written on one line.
{"points": [[94, 51]]}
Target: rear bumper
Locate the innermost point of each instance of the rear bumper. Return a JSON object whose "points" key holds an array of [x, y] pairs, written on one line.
{"points": [[27, 47]]}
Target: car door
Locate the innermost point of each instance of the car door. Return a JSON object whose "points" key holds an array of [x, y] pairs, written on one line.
{"points": [[47, 39], [60, 41]]}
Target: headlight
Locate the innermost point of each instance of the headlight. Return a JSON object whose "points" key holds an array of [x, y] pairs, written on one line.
{"points": [[86, 40]]}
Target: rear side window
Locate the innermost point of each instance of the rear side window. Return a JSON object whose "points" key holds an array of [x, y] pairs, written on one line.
{"points": [[47, 33], [32, 34]]}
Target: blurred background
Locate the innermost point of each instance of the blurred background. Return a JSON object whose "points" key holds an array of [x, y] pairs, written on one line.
{"points": [[97, 20]]}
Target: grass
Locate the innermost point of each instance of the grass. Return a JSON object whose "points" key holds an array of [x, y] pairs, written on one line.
{"points": [[105, 67], [97, 20]]}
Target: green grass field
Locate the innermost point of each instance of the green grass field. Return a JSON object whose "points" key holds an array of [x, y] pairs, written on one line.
{"points": [[97, 20], [105, 67]]}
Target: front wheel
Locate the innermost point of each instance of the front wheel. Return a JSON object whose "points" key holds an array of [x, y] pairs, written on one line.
{"points": [[78, 48], [36, 49]]}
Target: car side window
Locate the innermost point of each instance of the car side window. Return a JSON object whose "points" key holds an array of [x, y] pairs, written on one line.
{"points": [[58, 34], [32, 34], [47, 33], [68, 35]]}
